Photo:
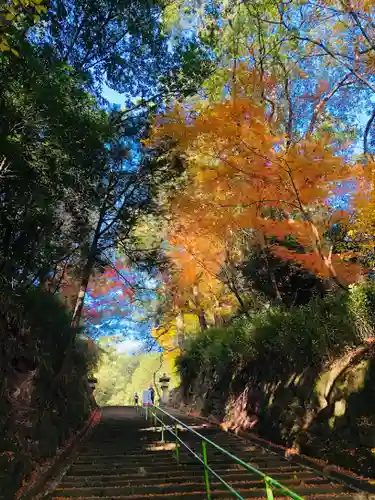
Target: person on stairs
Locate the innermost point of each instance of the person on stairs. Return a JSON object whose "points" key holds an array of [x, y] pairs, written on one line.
{"points": [[152, 394], [136, 399]]}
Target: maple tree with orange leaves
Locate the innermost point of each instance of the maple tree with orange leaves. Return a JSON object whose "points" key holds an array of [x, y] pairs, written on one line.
{"points": [[243, 174]]}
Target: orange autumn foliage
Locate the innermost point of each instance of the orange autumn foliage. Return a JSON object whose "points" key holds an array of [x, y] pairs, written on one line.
{"points": [[363, 223], [358, 6], [243, 174], [198, 259]]}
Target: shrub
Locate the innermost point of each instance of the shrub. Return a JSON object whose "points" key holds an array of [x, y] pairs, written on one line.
{"points": [[37, 415], [361, 304], [275, 338]]}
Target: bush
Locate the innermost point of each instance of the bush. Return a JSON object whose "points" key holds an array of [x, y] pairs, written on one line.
{"points": [[275, 338], [36, 414]]}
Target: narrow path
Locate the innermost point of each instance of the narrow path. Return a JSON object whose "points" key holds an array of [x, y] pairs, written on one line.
{"points": [[125, 459]]}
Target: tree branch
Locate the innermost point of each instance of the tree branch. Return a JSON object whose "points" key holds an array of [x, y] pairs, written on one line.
{"points": [[334, 55], [367, 131], [355, 17], [324, 101]]}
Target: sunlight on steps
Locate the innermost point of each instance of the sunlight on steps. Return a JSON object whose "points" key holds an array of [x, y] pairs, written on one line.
{"points": [[126, 459]]}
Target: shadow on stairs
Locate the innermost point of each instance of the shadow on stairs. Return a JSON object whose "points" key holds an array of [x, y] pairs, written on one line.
{"points": [[125, 459]]}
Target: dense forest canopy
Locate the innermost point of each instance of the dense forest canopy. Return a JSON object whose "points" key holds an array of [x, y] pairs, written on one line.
{"points": [[235, 184], [76, 185], [108, 235], [276, 200]]}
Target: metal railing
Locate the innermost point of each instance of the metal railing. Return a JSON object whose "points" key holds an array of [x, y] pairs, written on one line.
{"points": [[269, 483]]}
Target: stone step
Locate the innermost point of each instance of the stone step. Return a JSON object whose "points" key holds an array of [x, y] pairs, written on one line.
{"points": [[190, 479], [200, 495], [109, 469], [253, 490], [125, 460], [155, 461], [174, 475], [94, 457]]}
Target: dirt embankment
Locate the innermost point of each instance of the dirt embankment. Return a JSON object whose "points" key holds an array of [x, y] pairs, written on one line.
{"points": [[326, 412]]}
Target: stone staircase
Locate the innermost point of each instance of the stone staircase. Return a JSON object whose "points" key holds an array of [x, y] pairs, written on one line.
{"points": [[125, 459]]}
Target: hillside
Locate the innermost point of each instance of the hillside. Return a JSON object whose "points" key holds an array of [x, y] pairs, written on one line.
{"points": [[303, 378]]}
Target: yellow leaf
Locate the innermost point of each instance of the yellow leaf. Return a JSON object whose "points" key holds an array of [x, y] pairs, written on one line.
{"points": [[12, 10], [40, 9], [4, 46]]}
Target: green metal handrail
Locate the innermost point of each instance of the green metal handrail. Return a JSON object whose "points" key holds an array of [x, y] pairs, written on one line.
{"points": [[269, 482]]}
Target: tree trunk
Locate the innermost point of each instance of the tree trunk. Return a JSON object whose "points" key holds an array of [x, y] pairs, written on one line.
{"points": [[86, 274], [272, 277], [218, 320], [180, 329], [85, 278], [230, 282], [200, 311], [233, 288], [202, 320], [270, 272], [327, 261]]}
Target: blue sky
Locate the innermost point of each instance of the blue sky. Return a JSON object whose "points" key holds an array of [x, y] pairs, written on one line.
{"points": [[112, 96], [129, 346], [123, 316], [127, 326]]}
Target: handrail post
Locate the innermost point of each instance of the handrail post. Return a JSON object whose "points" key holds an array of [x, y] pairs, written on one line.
{"points": [[177, 444], [206, 475], [162, 429], [269, 491]]}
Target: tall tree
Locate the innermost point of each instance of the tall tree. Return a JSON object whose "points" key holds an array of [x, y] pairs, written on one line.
{"points": [[320, 55], [94, 188], [52, 153], [122, 43], [246, 174]]}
